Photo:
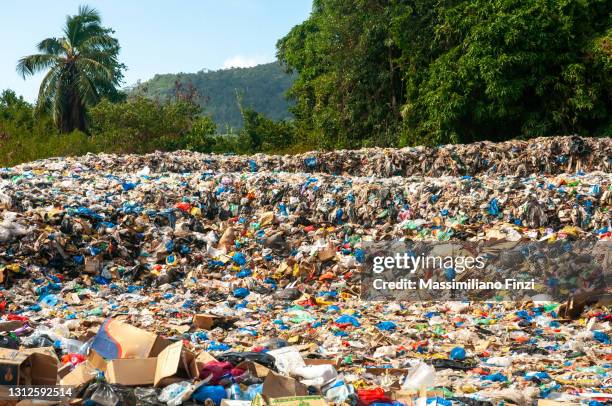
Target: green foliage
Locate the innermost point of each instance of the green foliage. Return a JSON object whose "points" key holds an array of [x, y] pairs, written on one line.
{"points": [[506, 68], [361, 73], [145, 125], [15, 110], [449, 70], [138, 125], [262, 88], [265, 135], [26, 138], [200, 137], [82, 68], [348, 92]]}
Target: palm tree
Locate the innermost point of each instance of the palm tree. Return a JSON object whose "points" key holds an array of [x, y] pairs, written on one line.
{"points": [[82, 68]]}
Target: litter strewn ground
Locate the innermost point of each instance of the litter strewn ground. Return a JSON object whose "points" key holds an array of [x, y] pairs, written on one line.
{"points": [[179, 277]]}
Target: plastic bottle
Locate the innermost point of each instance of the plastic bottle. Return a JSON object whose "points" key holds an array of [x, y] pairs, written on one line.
{"points": [[253, 390], [234, 392]]}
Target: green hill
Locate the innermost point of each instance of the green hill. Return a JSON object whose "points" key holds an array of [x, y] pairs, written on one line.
{"points": [[261, 87]]}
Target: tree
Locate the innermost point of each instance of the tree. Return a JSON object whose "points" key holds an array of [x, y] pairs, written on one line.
{"points": [[266, 135], [349, 90], [429, 72], [498, 69], [82, 69], [15, 109]]}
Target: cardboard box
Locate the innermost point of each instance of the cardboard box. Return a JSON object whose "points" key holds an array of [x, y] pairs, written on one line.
{"points": [[44, 364], [96, 360], [203, 358], [80, 375], [175, 363], [116, 339], [15, 367], [131, 372]]}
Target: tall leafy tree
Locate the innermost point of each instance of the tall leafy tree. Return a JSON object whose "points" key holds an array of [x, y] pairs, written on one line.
{"points": [[439, 71], [498, 69], [349, 90], [82, 68]]}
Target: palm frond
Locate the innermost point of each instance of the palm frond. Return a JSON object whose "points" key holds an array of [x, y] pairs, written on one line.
{"points": [[51, 46], [97, 70], [89, 14], [46, 91], [87, 90], [83, 25], [100, 42], [29, 65]]}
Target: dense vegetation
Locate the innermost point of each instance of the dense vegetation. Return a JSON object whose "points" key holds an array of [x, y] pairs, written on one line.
{"points": [[136, 125], [416, 71], [219, 93], [358, 73]]}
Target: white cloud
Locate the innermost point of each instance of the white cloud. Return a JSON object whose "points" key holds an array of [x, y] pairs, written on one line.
{"points": [[243, 61]]}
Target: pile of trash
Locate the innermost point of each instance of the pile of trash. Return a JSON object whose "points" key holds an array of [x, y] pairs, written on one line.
{"points": [[548, 155], [185, 278]]}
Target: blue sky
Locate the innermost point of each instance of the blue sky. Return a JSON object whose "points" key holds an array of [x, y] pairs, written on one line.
{"points": [[155, 36]]}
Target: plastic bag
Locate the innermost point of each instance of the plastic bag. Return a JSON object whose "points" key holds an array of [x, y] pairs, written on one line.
{"points": [[105, 395], [420, 376]]}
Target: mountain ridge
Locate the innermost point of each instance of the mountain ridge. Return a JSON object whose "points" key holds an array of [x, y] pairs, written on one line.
{"points": [[261, 87]]}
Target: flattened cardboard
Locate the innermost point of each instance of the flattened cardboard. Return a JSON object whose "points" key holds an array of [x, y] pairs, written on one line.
{"points": [[174, 364], [279, 386], [116, 339], [206, 321], [131, 372]]}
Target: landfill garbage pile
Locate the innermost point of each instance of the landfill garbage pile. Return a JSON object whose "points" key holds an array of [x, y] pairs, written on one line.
{"points": [[549, 155], [183, 278]]}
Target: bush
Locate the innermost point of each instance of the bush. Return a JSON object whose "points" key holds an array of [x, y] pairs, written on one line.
{"points": [[142, 125], [138, 125], [201, 137], [265, 135]]}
